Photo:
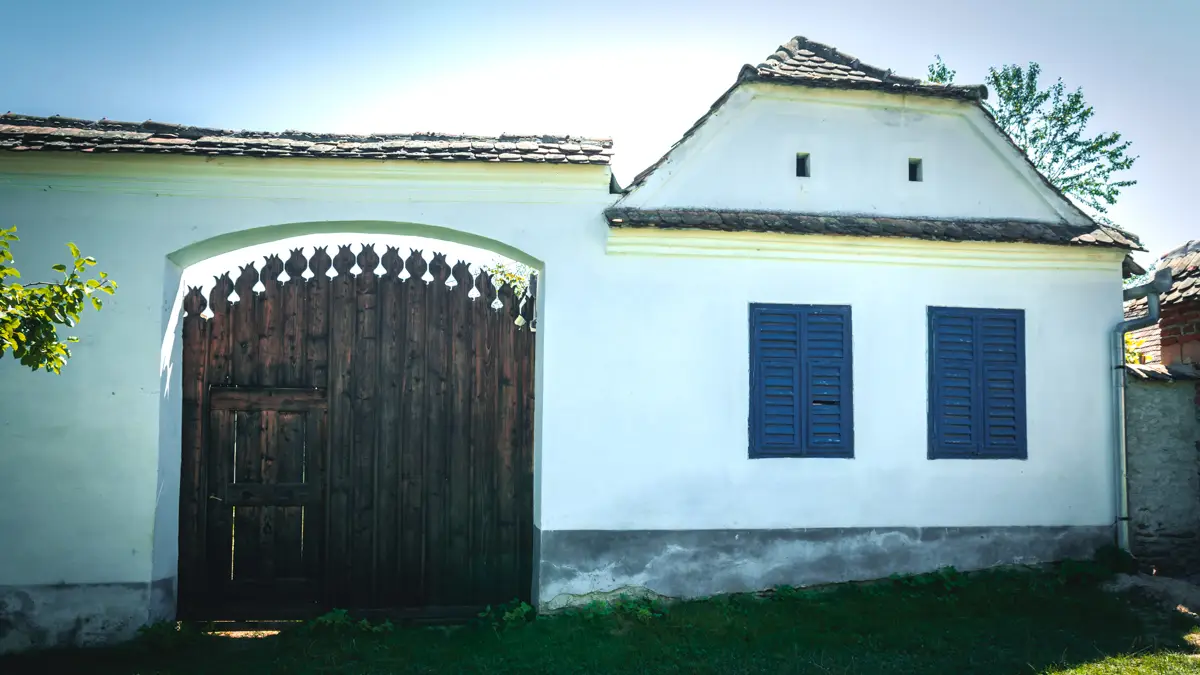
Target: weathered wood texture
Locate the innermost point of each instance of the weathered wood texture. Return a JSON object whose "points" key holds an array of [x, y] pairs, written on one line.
{"points": [[360, 441]]}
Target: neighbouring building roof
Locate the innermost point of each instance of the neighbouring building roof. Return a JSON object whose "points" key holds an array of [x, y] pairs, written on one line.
{"points": [[1157, 371], [1184, 263], [873, 226], [26, 133], [1185, 273]]}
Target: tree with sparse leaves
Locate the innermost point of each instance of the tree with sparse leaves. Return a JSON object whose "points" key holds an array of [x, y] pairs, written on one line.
{"points": [[1050, 126], [31, 313]]}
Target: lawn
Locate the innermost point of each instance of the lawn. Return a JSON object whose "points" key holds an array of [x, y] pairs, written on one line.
{"points": [[1013, 621]]}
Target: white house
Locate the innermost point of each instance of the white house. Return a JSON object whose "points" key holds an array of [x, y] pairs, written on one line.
{"points": [[843, 329]]}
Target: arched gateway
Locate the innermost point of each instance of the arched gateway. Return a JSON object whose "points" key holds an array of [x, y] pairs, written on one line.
{"points": [[356, 438]]}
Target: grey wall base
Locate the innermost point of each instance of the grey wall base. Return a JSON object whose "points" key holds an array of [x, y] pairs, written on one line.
{"points": [[579, 565], [79, 615]]}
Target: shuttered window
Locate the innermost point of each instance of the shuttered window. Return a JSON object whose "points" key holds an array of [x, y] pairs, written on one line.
{"points": [[800, 381], [976, 383]]}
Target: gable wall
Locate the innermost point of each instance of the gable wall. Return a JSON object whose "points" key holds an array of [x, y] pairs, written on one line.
{"points": [[859, 145]]}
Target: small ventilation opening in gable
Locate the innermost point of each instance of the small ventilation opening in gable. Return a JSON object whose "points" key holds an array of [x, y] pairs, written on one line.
{"points": [[915, 173], [802, 165]]}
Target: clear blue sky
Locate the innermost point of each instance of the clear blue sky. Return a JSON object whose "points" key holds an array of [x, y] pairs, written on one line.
{"points": [[637, 71]]}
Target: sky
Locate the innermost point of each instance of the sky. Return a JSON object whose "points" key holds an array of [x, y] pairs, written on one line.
{"points": [[637, 71]]}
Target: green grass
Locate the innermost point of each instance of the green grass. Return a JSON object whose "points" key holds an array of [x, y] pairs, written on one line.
{"points": [[997, 622]]}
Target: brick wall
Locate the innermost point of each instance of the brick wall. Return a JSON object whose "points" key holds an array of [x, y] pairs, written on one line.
{"points": [[1163, 445], [1179, 333]]}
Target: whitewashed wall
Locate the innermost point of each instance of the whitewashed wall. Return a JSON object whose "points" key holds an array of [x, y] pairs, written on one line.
{"points": [[90, 459], [659, 432], [859, 144], [643, 340]]}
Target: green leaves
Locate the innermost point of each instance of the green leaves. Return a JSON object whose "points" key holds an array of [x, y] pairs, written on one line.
{"points": [[939, 72], [1050, 126], [31, 313]]}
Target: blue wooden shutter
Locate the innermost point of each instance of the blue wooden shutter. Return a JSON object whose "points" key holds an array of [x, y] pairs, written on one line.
{"points": [[953, 384], [1002, 371], [800, 381], [775, 381], [827, 420], [976, 383]]}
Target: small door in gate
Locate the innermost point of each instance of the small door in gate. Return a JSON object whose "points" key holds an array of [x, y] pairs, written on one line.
{"points": [[266, 496]]}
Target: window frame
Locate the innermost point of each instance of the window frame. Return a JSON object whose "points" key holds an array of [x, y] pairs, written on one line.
{"points": [[979, 448], [802, 448]]}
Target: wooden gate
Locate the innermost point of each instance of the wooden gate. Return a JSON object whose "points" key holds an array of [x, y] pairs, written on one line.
{"points": [[360, 441]]}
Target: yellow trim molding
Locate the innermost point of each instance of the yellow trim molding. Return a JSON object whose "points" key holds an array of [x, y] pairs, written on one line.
{"points": [[875, 250]]}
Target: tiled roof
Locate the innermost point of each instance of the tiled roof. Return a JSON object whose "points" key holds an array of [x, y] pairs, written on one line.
{"points": [[24, 133], [873, 226], [1184, 263], [807, 62], [1185, 273]]}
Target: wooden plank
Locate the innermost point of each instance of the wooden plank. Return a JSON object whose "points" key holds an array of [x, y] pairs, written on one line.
{"points": [[289, 525], [269, 449], [483, 442], [462, 356], [316, 321], [339, 571], [245, 330], [316, 436], [272, 494], [257, 399], [289, 520], [437, 366], [412, 480], [269, 310], [192, 489], [219, 529], [220, 332], [392, 341], [313, 518], [247, 461], [526, 350], [506, 436], [247, 450], [293, 302], [364, 475]]}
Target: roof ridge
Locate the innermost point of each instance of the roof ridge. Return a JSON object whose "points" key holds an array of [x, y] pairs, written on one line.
{"points": [[867, 225], [27, 133], [196, 132], [830, 53]]}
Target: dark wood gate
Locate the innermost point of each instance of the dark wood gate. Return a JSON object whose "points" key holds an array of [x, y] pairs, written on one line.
{"points": [[360, 441]]}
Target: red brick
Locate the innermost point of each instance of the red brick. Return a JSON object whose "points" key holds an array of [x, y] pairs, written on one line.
{"points": [[1169, 340]]}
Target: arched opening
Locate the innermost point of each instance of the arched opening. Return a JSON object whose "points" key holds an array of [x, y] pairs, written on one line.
{"points": [[357, 426]]}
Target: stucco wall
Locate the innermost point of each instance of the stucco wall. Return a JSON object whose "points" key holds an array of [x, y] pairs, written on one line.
{"points": [[642, 377], [859, 145], [1163, 439]]}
